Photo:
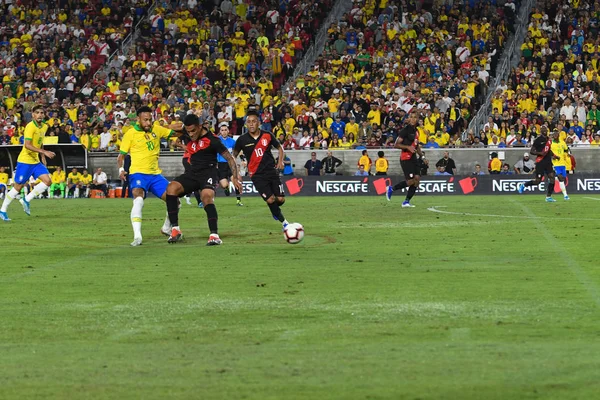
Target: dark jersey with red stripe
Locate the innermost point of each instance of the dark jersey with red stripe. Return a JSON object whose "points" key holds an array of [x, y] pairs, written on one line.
{"points": [[408, 136], [258, 151], [541, 144], [203, 152]]}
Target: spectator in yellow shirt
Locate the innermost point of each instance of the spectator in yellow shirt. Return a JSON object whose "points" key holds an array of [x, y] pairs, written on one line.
{"points": [[382, 164], [365, 161], [495, 165]]}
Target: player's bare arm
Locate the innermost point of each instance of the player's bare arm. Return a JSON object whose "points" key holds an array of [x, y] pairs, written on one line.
{"points": [[29, 146], [280, 159], [120, 160], [419, 150], [234, 169], [176, 126], [179, 144]]}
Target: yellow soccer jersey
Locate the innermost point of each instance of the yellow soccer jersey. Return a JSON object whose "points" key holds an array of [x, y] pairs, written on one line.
{"points": [[144, 148], [86, 179], [4, 178], [35, 134], [559, 149], [58, 177], [74, 177]]}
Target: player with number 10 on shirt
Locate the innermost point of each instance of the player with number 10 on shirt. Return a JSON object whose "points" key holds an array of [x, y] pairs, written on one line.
{"points": [[256, 146], [202, 175]]}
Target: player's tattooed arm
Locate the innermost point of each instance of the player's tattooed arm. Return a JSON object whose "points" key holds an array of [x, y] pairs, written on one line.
{"points": [[234, 169], [419, 151], [280, 159]]}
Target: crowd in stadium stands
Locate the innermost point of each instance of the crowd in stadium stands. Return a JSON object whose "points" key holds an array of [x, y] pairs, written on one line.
{"points": [[380, 63], [556, 82], [49, 51]]}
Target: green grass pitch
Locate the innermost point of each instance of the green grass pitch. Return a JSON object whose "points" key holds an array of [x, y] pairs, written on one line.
{"points": [[494, 297]]}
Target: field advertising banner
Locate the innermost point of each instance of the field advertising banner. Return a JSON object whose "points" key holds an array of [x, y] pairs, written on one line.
{"points": [[430, 185]]}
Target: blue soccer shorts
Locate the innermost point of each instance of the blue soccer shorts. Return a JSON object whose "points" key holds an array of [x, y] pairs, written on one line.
{"points": [[561, 171], [24, 171], [155, 184]]}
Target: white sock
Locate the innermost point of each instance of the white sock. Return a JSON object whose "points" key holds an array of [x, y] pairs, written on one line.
{"points": [[76, 193], [37, 190], [10, 196], [136, 217], [87, 193], [563, 188], [167, 224]]}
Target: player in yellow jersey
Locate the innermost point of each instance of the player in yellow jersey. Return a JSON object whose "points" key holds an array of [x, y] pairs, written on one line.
{"points": [[74, 183], [86, 182], [59, 181], [29, 164], [3, 182], [561, 152], [142, 143]]}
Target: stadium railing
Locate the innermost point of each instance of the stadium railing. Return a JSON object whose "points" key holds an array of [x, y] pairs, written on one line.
{"points": [[509, 58], [340, 8]]}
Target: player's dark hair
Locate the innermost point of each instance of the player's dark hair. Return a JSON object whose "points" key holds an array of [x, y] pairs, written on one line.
{"points": [[252, 112], [191, 119], [144, 109], [38, 107], [364, 152], [380, 153]]}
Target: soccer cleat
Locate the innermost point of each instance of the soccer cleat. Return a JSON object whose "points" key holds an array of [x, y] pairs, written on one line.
{"points": [[567, 198], [239, 203], [4, 216], [406, 204], [389, 192], [176, 236], [200, 205], [136, 242], [188, 201], [26, 206], [550, 200], [285, 225], [214, 240], [521, 188]]}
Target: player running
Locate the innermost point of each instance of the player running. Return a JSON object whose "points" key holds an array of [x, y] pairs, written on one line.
{"points": [[29, 164], [542, 148], [203, 148], [408, 142], [561, 150], [225, 172], [256, 146], [142, 142]]}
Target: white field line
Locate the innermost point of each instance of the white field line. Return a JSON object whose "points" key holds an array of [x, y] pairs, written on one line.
{"points": [[533, 216], [555, 244]]}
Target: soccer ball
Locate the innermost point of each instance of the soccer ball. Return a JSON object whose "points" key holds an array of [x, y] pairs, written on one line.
{"points": [[294, 233]]}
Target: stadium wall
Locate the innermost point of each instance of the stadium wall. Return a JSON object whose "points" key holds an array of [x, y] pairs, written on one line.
{"points": [[465, 159]]}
